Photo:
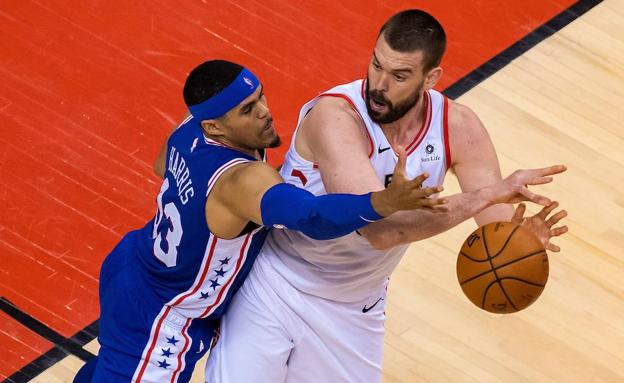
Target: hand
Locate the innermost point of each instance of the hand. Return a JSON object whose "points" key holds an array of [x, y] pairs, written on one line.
{"points": [[514, 188], [542, 227], [403, 194]]}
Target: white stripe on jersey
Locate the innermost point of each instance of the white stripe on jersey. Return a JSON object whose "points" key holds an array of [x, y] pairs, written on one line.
{"points": [[199, 301], [167, 331], [213, 180]]}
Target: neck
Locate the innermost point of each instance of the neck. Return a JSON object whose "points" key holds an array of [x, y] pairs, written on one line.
{"points": [[402, 131], [225, 142]]}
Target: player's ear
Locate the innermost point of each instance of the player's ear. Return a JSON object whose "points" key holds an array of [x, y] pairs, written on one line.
{"points": [[212, 127], [432, 77]]}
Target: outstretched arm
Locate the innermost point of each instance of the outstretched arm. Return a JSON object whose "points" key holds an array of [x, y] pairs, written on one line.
{"points": [[406, 227], [332, 125], [475, 162], [255, 192], [476, 165]]}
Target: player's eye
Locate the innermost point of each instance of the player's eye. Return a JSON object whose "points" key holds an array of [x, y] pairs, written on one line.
{"points": [[399, 77]]}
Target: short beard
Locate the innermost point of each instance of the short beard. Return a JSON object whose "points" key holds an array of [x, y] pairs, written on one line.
{"points": [[275, 143], [394, 112]]}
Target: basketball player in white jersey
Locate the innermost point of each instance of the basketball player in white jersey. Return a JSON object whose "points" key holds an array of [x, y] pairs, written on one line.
{"points": [[164, 286], [313, 311]]}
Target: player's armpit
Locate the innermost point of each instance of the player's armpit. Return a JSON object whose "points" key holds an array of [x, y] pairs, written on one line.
{"points": [[237, 194]]}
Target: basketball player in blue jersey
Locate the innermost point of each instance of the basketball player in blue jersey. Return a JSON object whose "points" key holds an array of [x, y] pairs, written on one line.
{"points": [[313, 311], [164, 287]]}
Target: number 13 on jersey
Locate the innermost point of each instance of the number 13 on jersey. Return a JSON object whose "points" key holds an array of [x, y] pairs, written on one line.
{"points": [[167, 230]]}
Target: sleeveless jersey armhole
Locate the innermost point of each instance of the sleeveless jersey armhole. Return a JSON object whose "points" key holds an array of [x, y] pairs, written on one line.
{"points": [[447, 142]]}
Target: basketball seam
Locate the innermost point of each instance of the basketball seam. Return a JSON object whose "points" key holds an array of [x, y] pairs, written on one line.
{"points": [[523, 281], [503, 265], [472, 259], [504, 244], [487, 252], [495, 255]]}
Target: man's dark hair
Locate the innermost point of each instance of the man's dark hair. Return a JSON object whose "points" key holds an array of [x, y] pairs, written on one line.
{"points": [[209, 79], [415, 30]]}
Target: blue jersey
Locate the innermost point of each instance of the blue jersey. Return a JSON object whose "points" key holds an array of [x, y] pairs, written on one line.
{"points": [[189, 268], [163, 287]]}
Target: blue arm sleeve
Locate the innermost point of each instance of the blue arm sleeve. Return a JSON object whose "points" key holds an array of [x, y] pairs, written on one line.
{"points": [[324, 217]]}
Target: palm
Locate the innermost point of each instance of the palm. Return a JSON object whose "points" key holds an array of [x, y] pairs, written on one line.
{"points": [[539, 228], [514, 188], [542, 225]]}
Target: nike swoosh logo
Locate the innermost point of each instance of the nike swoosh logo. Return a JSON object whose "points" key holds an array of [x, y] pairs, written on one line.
{"points": [[381, 150], [367, 309]]}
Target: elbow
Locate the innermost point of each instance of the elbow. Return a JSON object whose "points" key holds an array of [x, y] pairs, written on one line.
{"points": [[159, 169], [322, 231], [378, 242], [381, 238]]}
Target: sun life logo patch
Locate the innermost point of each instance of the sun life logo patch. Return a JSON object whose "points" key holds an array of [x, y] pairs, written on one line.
{"points": [[430, 154]]}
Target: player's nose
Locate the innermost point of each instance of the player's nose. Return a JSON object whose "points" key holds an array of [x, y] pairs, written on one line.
{"points": [[381, 83], [263, 111]]}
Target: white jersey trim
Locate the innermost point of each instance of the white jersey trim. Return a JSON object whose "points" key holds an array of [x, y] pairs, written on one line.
{"points": [[213, 180]]}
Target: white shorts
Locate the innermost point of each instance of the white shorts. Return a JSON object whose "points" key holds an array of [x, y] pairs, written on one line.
{"points": [[274, 333]]}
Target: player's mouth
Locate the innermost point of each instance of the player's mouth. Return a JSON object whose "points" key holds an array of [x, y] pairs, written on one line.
{"points": [[268, 127], [378, 106]]}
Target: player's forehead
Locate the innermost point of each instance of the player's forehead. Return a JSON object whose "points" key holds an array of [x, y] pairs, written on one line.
{"points": [[391, 59], [248, 101]]}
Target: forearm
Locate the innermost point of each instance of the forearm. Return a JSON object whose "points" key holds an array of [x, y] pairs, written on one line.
{"points": [[409, 226], [324, 217], [501, 212]]}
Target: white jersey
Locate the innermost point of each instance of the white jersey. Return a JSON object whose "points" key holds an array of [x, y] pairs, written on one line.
{"points": [[347, 269]]}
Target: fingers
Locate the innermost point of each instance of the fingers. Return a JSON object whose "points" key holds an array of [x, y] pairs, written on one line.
{"points": [[519, 213], [555, 233], [535, 198], [540, 181], [551, 170], [546, 210], [558, 231], [431, 190], [552, 247], [399, 169], [433, 202], [416, 183], [538, 176], [550, 222], [420, 198]]}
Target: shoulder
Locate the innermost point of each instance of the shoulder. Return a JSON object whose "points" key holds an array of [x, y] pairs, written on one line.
{"points": [[464, 122], [330, 108], [333, 119], [330, 125], [468, 135], [460, 115], [248, 175]]}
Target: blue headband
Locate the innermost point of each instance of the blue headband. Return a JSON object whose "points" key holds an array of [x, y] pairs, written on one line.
{"points": [[221, 103]]}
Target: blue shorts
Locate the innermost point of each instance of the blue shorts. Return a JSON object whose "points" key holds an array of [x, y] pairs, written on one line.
{"points": [[142, 339]]}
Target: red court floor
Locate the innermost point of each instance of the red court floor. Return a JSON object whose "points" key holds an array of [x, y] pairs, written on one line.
{"points": [[90, 89]]}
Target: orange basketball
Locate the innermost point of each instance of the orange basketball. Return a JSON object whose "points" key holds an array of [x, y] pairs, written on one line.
{"points": [[502, 267]]}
